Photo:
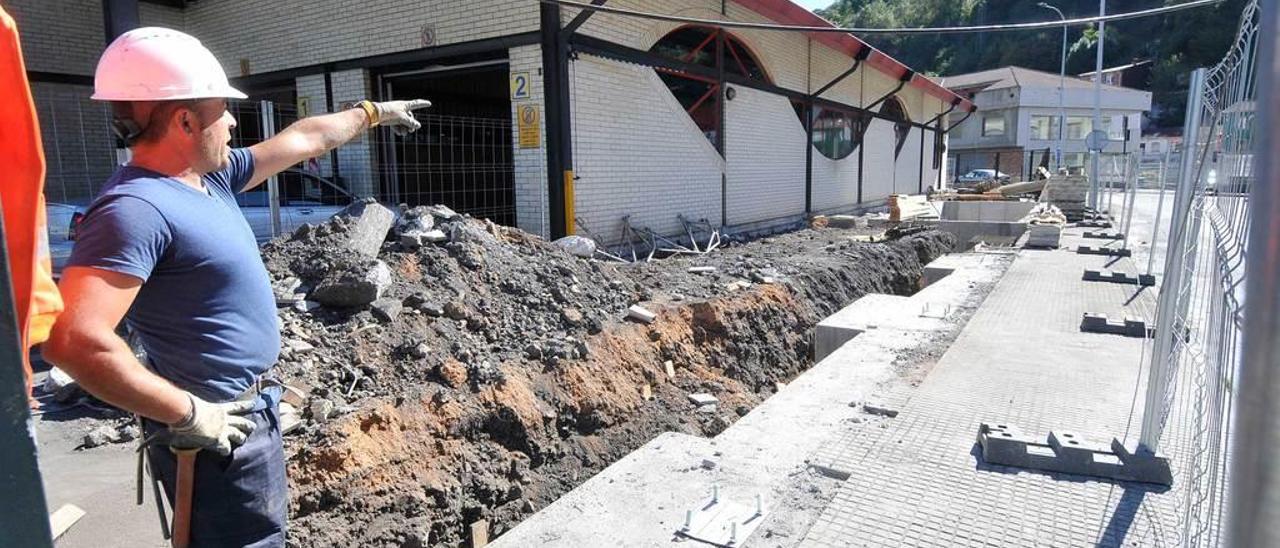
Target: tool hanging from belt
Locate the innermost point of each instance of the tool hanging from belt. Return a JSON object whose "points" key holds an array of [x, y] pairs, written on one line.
{"points": [[264, 389], [180, 532], [180, 535]]}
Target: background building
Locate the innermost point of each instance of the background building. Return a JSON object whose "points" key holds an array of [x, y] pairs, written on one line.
{"points": [[544, 118], [1018, 126]]}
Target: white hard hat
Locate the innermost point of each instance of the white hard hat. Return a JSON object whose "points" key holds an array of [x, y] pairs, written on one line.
{"points": [[159, 64]]}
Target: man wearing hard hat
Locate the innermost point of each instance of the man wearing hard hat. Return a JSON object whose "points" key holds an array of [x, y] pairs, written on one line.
{"points": [[165, 247]]}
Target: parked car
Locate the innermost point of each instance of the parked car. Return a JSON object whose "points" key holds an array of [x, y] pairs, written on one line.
{"points": [[976, 176], [64, 219]]}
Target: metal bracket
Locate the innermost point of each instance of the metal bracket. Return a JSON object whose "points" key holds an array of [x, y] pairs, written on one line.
{"points": [[1118, 277], [902, 82], [1129, 327], [1070, 453], [722, 522], [582, 17], [1108, 251]]}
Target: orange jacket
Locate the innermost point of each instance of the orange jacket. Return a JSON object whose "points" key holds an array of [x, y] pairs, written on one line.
{"points": [[36, 297]]}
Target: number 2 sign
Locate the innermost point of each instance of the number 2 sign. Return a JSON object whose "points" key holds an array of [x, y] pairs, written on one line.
{"points": [[521, 86]]}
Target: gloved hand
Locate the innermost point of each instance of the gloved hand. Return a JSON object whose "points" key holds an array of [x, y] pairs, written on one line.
{"points": [[399, 115], [214, 426]]}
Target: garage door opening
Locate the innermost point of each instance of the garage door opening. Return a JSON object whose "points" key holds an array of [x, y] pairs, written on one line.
{"points": [[462, 156]]}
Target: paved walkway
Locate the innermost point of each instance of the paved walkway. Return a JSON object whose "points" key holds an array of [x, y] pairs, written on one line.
{"points": [[1021, 361]]}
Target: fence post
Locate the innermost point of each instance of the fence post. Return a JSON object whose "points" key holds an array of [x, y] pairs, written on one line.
{"points": [[1155, 227], [1158, 378], [1130, 196], [1253, 518], [267, 113]]}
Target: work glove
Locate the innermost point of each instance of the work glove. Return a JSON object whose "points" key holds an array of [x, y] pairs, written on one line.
{"points": [[217, 427], [398, 115]]}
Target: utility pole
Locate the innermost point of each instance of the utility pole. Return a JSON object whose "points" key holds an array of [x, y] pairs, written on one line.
{"points": [[1096, 156], [1062, 90]]}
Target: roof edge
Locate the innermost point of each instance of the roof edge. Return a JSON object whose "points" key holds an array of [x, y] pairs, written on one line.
{"points": [[788, 12]]}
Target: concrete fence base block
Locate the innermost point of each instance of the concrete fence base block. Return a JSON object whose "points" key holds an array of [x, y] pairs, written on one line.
{"points": [[1099, 323], [1103, 235], [1070, 453], [1094, 224], [1107, 251], [1118, 277]]}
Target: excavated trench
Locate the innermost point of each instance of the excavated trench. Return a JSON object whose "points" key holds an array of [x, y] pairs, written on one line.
{"points": [[510, 376]]}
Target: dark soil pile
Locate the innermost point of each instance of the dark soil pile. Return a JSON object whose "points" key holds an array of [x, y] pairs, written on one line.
{"points": [[492, 372]]}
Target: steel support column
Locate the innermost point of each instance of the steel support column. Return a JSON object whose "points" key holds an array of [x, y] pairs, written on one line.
{"points": [[119, 17], [555, 82]]}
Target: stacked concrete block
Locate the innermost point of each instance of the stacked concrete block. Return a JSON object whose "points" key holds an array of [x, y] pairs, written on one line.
{"points": [[1049, 236], [1068, 192]]}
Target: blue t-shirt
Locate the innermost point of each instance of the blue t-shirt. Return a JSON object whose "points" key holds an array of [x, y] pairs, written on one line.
{"points": [[205, 313]]}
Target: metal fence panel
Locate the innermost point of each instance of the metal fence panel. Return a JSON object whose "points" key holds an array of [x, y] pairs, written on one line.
{"points": [[1197, 346]]}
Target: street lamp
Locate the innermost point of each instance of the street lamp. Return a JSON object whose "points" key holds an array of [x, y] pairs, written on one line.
{"points": [[1062, 79]]}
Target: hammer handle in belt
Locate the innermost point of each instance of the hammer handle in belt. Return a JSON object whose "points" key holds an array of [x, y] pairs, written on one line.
{"points": [[182, 497]]}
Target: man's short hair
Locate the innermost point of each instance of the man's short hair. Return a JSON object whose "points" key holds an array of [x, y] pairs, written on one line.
{"points": [[146, 122]]}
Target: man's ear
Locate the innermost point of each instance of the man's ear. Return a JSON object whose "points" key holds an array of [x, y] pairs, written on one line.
{"points": [[184, 119]]}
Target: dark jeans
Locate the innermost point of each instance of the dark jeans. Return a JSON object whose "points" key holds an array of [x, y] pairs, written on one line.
{"points": [[238, 500]]}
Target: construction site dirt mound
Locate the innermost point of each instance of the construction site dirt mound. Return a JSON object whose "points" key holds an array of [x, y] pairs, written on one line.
{"points": [[463, 374]]}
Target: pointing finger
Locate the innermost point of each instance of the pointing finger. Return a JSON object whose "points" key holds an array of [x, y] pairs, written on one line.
{"points": [[417, 104]]}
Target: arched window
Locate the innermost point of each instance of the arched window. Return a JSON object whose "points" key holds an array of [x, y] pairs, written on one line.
{"points": [[836, 133], [894, 109], [700, 96]]}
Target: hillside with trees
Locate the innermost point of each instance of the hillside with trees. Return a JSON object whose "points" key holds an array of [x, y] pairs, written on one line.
{"points": [[1176, 43]]}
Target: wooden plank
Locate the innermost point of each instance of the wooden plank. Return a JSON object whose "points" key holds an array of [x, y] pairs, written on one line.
{"points": [[479, 534], [64, 518]]}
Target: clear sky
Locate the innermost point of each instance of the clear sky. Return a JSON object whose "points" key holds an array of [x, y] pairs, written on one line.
{"points": [[814, 4]]}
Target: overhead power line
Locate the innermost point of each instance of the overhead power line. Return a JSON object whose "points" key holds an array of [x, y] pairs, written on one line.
{"points": [[924, 30]]}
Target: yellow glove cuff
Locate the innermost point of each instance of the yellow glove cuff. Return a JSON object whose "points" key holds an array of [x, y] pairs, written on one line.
{"points": [[370, 111]]}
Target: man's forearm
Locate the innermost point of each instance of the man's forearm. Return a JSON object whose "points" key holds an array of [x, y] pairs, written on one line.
{"points": [[311, 137], [108, 370], [320, 134]]}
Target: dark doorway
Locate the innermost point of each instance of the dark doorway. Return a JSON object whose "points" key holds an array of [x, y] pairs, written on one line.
{"points": [[462, 156]]}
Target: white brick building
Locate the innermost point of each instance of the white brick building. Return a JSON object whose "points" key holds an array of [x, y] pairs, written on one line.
{"points": [[629, 117]]}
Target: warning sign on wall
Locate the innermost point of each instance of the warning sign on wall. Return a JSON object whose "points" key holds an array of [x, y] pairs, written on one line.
{"points": [[527, 126]]}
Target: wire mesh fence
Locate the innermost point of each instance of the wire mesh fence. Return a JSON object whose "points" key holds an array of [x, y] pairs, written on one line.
{"points": [[464, 162], [1196, 350], [80, 150]]}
